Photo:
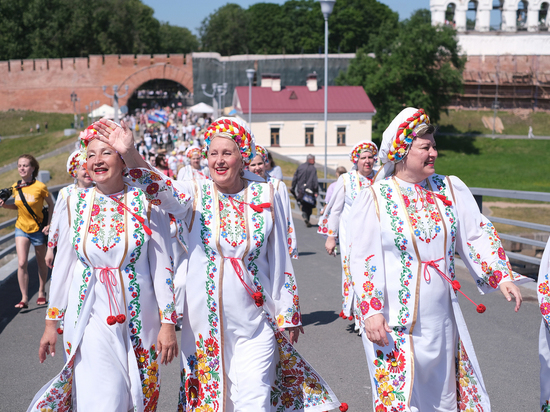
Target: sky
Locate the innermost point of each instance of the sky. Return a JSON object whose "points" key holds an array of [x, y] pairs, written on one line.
{"points": [[190, 13]]}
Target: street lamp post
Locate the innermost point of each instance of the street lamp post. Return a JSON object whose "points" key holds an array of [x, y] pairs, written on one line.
{"points": [[222, 90], [250, 76], [74, 99], [115, 98], [326, 9], [211, 95]]}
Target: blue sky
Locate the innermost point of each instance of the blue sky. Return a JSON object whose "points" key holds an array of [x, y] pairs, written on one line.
{"points": [[190, 13]]}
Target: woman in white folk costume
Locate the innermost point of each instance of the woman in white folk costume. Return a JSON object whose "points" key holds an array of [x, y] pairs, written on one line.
{"points": [[334, 220], [194, 170], [544, 334], [115, 334], [419, 353], [258, 166], [242, 293], [76, 168]]}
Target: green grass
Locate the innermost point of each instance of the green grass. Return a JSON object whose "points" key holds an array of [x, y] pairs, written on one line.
{"points": [[35, 144], [469, 121], [19, 122], [500, 164]]}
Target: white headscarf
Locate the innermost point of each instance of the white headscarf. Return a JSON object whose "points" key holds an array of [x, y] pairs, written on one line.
{"points": [[389, 156]]}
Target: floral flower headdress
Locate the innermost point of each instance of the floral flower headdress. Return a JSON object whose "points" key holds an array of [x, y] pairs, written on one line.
{"points": [[405, 134], [235, 129], [361, 147], [261, 151], [75, 161], [86, 136], [192, 150]]}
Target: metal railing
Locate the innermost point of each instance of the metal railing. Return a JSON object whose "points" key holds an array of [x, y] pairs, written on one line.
{"points": [[54, 190]]}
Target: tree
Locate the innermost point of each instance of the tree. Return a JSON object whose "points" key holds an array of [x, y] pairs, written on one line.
{"points": [[419, 66], [174, 39], [224, 31]]}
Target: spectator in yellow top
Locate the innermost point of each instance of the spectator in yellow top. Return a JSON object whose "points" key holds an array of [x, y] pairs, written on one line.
{"points": [[27, 228]]}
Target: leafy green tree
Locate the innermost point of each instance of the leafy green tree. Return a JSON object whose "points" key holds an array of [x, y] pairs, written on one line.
{"points": [[174, 39], [265, 28], [224, 31], [419, 66]]}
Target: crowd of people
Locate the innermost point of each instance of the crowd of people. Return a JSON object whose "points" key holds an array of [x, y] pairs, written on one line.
{"points": [[207, 246]]}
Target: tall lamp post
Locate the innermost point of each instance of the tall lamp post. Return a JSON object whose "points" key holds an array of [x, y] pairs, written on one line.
{"points": [[220, 89], [115, 98], [250, 76], [326, 9]]}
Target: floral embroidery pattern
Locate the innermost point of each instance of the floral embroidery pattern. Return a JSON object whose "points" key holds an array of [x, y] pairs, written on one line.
{"points": [[58, 397], [468, 397], [154, 188], [55, 313], [297, 386], [106, 229], [390, 376], [372, 297], [149, 374], [232, 223], [401, 243], [544, 299], [77, 225], [423, 214]]}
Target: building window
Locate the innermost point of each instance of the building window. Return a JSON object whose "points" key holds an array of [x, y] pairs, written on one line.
{"points": [[341, 136], [309, 136], [275, 137]]}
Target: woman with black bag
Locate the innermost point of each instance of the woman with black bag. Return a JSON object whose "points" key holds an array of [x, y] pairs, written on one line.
{"points": [[31, 227]]}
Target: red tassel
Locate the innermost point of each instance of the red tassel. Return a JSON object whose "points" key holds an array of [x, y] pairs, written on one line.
{"points": [[259, 208], [344, 407], [258, 299], [445, 201], [456, 285], [350, 318], [60, 331], [111, 320], [481, 308], [121, 318], [342, 314]]}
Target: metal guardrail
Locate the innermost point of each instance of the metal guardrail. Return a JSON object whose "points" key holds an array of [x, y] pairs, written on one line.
{"points": [[54, 190]]}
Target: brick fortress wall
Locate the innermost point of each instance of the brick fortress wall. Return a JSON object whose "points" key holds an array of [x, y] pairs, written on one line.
{"points": [[45, 85]]}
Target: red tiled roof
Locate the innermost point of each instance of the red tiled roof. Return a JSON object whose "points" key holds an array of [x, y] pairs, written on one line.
{"points": [[341, 99]]}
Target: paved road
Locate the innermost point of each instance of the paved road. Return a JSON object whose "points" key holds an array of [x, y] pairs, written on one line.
{"points": [[505, 342]]}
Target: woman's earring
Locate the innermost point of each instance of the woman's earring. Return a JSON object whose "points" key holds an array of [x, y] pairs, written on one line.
{"points": [[242, 173]]}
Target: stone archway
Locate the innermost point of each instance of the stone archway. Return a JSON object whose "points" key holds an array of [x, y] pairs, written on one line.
{"points": [[156, 71]]}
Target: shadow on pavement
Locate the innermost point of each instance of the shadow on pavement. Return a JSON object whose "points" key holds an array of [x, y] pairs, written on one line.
{"points": [[11, 296], [306, 253], [322, 317]]}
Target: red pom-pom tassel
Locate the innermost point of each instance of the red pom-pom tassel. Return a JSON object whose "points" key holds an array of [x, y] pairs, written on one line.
{"points": [[60, 331], [350, 318], [342, 314], [121, 318], [258, 299], [111, 320], [259, 208], [344, 407], [456, 285], [481, 308]]}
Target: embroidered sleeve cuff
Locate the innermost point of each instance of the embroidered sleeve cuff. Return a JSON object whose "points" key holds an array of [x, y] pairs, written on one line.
{"points": [[55, 313]]}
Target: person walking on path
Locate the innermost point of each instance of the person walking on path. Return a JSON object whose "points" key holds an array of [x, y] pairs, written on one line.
{"points": [[31, 226], [334, 220], [243, 292], [305, 187], [402, 256], [113, 287]]}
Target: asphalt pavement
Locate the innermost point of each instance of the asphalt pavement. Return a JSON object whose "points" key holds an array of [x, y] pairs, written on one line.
{"points": [[506, 342]]}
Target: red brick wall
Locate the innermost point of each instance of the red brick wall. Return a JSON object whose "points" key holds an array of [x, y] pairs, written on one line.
{"points": [[46, 85]]}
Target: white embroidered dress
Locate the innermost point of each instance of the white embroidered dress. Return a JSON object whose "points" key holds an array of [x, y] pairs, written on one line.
{"points": [[117, 269], [188, 172], [234, 356], [53, 234], [430, 363], [335, 220], [281, 188]]}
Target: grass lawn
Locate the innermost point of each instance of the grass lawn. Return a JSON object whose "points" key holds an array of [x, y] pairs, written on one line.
{"points": [[18, 122], [35, 144], [469, 121], [527, 214]]}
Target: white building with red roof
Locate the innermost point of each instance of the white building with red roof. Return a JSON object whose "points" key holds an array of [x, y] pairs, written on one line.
{"points": [[290, 120]]}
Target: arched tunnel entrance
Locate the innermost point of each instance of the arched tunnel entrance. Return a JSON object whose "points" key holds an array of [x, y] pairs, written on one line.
{"points": [[157, 93]]}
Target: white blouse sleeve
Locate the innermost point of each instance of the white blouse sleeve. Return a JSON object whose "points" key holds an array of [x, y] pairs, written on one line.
{"points": [[330, 221], [61, 202], [543, 289], [366, 257], [161, 264], [170, 195], [281, 284], [64, 264], [291, 242], [478, 242]]}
